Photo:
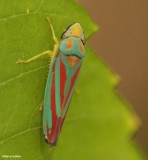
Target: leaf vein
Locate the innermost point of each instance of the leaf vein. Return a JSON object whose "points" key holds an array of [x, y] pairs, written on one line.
{"points": [[20, 133], [21, 75], [25, 14]]}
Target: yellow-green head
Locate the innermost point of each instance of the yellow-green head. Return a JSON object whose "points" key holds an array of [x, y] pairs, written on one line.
{"points": [[74, 30]]}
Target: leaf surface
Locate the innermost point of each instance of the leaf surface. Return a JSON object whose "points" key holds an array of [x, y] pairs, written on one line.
{"points": [[99, 125]]}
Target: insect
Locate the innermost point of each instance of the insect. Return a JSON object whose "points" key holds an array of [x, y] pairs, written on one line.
{"points": [[66, 60]]}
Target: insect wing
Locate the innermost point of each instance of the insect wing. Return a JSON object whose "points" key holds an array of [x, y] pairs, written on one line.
{"points": [[67, 85], [59, 89], [49, 109]]}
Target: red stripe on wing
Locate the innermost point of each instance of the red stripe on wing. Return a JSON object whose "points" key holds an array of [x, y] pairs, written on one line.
{"points": [[72, 84], [51, 134], [69, 92]]}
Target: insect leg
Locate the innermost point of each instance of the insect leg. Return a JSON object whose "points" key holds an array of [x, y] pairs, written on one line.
{"points": [[36, 57], [41, 106], [52, 30]]}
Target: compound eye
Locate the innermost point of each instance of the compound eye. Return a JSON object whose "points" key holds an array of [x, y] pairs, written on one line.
{"points": [[69, 32]]}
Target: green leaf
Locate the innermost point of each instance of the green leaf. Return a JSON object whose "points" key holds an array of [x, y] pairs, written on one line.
{"points": [[99, 124]]}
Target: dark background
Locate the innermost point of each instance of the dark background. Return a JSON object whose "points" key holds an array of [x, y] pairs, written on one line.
{"points": [[122, 43]]}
